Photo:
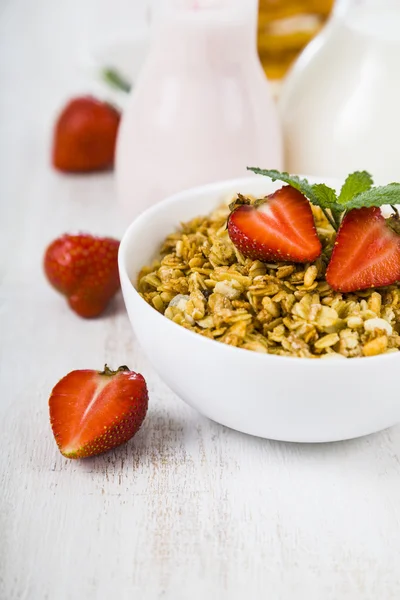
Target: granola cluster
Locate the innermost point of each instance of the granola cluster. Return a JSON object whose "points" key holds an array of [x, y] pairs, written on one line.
{"points": [[202, 282]]}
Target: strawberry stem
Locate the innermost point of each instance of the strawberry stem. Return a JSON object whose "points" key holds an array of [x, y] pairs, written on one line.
{"points": [[240, 201], [393, 222], [115, 80], [110, 373]]}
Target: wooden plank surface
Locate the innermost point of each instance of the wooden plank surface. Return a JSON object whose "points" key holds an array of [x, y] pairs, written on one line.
{"points": [[188, 509]]}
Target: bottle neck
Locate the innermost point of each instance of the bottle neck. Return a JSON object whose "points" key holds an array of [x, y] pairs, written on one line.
{"points": [[203, 9], [223, 30]]}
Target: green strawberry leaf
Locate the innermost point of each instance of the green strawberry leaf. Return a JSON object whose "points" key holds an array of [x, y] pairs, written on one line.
{"points": [[377, 196], [116, 80], [356, 183]]}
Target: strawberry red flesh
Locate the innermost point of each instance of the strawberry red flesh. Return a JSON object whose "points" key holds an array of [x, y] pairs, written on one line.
{"points": [[92, 412], [280, 229], [85, 136], [85, 269], [366, 252]]}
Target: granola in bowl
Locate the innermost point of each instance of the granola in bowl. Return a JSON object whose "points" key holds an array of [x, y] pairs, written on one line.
{"points": [[203, 282]]}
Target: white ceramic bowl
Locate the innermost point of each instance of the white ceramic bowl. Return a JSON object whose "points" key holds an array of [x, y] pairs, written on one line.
{"points": [[281, 398]]}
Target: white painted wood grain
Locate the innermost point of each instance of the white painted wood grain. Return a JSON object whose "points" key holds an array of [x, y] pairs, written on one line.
{"points": [[188, 509]]}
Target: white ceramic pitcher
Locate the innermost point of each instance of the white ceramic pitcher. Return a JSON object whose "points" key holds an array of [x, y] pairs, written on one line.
{"points": [[340, 104]]}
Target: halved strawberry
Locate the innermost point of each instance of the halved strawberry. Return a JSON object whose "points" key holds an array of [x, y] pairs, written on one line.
{"points": [[279, 227], [92, 412], [366, 252]]}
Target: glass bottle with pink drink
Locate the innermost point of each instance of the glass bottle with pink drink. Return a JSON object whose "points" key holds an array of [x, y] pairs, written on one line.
{"points": [[202, 109]]}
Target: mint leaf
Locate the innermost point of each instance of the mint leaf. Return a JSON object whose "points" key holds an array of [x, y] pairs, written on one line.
{"points": [[301, 185], [356, 183], [318, 194], [325, 195], [377, 196]]}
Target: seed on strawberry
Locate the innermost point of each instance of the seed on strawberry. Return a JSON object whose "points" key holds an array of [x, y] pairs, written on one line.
{"points": [[366, 252], [92, 412], [85, 136], [84, 268], [280, 227]]}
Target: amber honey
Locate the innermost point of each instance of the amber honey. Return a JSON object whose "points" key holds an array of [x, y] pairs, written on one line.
{"points": [[285, 27]]}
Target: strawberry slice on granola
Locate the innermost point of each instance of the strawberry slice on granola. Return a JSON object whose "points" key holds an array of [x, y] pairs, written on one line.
{"points": [[279, 227]]}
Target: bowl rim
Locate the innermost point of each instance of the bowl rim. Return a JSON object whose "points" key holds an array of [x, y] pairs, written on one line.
{"points": [[216, 187]]}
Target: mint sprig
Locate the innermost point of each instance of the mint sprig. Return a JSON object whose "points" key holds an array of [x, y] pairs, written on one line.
{"points": [[356, 183], [356, 192], [376, 196], [317, 193], [301, 185]]}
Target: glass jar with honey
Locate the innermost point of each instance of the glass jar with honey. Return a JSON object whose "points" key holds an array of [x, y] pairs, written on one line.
{"points": [[284, 28]]}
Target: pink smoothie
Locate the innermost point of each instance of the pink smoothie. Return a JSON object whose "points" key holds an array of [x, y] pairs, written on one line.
{"points": [[202, 109]]}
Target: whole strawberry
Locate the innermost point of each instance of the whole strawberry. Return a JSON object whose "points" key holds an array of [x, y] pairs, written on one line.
{"points": [[92, 412], [85, 135], [84, 268]]}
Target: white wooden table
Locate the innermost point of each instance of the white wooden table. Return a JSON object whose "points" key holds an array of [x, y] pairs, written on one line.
{"points": [[188, 509]]}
